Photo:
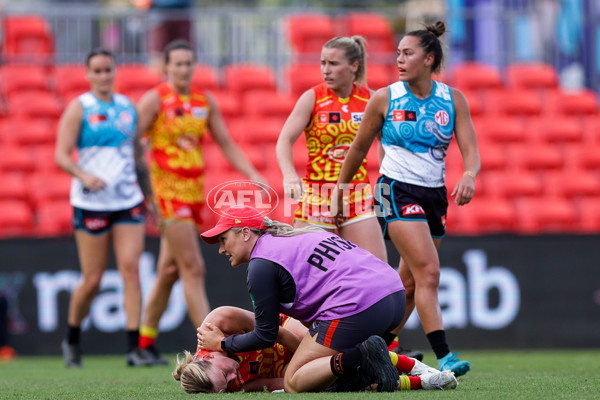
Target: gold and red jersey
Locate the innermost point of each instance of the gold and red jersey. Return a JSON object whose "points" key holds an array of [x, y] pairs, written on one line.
{"points": [[176, 138], [330, 132]]}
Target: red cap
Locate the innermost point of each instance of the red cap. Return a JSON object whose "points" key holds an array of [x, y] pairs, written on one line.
{"points": [[234, 217]]}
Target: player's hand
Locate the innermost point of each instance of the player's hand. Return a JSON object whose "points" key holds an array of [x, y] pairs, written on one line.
{"points": [[464, 190], [92, 182], [337, 205], [153, 214], [293, 187], [209, 337]]}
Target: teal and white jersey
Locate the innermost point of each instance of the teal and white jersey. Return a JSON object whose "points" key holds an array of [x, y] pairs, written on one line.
{"points": [[105, 149], [416, 134]]}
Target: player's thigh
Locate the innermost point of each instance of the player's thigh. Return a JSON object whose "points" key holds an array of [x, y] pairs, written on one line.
{"points": [[417, 248], [307, 351], [128, 242], [92, 249], [183, 242], [367, 235]]}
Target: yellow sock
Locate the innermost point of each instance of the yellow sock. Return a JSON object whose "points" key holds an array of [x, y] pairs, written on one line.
{"points": [[394, 358], [148, 332], [404, 382]]}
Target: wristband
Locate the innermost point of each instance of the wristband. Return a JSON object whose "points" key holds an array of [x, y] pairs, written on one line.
{"points": [[469, 173], [223, 345]]}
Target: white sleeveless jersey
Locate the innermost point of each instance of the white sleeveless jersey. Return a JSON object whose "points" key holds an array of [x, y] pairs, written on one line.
{"points": [[105, 149], [416, 134]]}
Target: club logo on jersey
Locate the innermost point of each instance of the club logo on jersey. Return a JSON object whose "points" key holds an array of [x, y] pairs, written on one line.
{"points": [[442, 118], [97, 118], [199, 112], [412, 209], [338, 152], [126, 117], [328, 117], [357, 117], [404, 115]]}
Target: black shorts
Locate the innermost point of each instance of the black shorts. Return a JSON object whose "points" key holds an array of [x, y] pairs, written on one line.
{"points": [[345, 333], [97, 222], [396, 200]]}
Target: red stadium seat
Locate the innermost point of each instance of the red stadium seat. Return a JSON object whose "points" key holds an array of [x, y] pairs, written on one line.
{"points": [[71, 80], [476, 104], [206, 77], [579, 103], [546, 215], [54, 218], [532, 75], [301, 77], [12, 187], [589, 215], [554, 129], [49, 186], [260, 103], [15, 158], [538, 157], [379, 75], [133, 78], [27, 38], [590, 125], [307, 33], [243, 77], [25, 131], [569, 185], [492, 155], [375, 28], [488, 215], [38, 105], [513, 102], [21, 78], [16, 219], [582, 157], [512, 185], [229, 104], [501, 129], [473, 75], [263, 131]]}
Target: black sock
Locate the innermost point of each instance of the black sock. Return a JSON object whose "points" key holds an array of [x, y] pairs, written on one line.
{"points": [[133, 337], [73, 334], [3, 321], [388, 337], [437, 340], [344, 363]]}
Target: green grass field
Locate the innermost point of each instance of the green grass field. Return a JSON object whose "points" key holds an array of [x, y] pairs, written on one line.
{"points": [[547, 374]]}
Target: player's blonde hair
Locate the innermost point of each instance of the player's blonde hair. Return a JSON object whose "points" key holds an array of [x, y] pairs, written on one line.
{"points": [[193, 374], [355, 51], [276, 228]]}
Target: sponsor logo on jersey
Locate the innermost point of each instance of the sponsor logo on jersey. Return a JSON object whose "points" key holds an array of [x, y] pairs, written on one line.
{"points": [[338, 152], [404, 115], [442, 118], [183, 212], [95, 224], [96, 118], [412, 209], [357, 117], [326, 103], [199, 112]]}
